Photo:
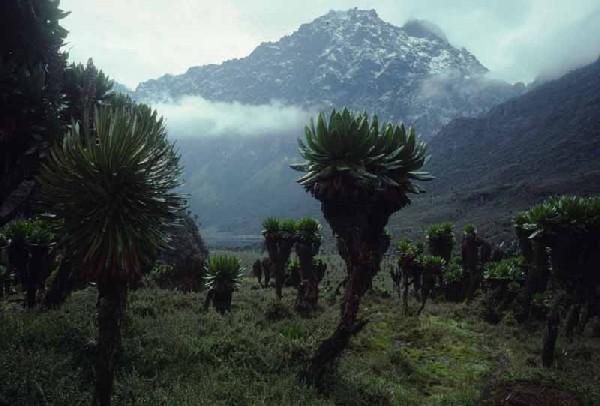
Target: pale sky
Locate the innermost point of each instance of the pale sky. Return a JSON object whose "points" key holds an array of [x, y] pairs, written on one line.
{"points": [[137, 40]]}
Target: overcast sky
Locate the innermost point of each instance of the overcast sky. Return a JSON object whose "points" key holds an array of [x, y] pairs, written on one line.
{"points": [[136, 40]]}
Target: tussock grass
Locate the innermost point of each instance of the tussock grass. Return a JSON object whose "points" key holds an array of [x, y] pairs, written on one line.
{"points": [[175, 354]]}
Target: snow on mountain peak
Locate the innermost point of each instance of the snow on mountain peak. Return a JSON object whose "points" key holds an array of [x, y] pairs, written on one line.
{"points": [[349, 58]]}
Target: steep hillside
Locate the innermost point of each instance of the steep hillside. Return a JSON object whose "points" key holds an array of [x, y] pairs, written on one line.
{"points": [[410, 73], [486, 168], [543, 143]]}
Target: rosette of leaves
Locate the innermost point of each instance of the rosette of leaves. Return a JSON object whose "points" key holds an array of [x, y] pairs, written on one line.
{"points": [[223, 276], [570, 226], [440, 240], [407, 252], [224, 273], [510, 271], [270, 226], [453, 271], [308, 230], [348, 155], [432, 264], [40, 233], [361, 173], [18, 230], [115, 195], [470, 229]]}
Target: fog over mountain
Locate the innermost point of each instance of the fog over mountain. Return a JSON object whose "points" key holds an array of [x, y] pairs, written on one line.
{"points": [[345, 58]]}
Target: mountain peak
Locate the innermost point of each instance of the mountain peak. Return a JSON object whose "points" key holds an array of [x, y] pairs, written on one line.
{"points": [[351, 13], [349, 58]]}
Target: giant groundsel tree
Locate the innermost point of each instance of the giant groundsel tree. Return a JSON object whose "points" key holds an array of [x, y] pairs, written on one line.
{"points": [[361, 173], [115, 197]]}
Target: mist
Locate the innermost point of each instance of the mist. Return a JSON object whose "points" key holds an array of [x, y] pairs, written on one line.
{"points": [[198, 117]]}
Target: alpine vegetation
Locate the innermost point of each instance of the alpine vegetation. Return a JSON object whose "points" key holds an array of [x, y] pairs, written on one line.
{"points": [[361, 173], [223, 277]]}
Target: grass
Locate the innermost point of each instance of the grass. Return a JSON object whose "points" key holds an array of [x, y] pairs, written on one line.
{"points": [[175, 354]]}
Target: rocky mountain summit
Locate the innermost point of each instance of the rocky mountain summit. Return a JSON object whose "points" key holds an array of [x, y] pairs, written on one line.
{"points": [[350, 58]]}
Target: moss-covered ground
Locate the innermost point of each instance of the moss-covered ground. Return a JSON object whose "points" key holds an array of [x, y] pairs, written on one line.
{"points": [[176, 354]]}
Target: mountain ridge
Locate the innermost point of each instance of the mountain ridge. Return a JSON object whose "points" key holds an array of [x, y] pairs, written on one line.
{"points": [[351, 58], [542, 143]]}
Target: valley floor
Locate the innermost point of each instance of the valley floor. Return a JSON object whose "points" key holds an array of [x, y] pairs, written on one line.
{"points": [[176, 354]]}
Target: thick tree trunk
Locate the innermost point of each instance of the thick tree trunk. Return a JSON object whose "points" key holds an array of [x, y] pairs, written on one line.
{"points": [[37, 271], [358, 222], [572, 321], [405, 283], [279, 250], [266, 268], [359, 281], [279, 280], [550, 338], [308, 293], [222, 301], [470, 265], [62, 285], [112, 300], [536, 278]]}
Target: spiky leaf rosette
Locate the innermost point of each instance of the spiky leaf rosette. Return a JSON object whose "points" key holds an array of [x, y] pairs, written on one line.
{"points": [[470, 230], [308, 230], [115, 195], [441, 231], [350, 155], [432, 263], [224, 273], [270, 225], [564, 215]]}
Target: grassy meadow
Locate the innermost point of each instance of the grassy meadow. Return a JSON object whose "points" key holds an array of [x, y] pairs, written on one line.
{"points": [[177, 354]]}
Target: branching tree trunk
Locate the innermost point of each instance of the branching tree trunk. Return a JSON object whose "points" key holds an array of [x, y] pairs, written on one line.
{"points": [[266, 268], [361, 242], [550, 337], [112, 301], [279, 250], [470, 257], [308, 293]]}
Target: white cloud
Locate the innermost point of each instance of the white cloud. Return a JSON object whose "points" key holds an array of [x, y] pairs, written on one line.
{"points": [[136, 40], [195, 116]]}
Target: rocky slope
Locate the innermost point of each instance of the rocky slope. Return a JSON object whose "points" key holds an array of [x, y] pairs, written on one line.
{"points": [[353, 58]]}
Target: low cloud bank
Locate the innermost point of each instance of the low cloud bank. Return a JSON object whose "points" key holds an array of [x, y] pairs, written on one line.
{"points": [[196, 117]]}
